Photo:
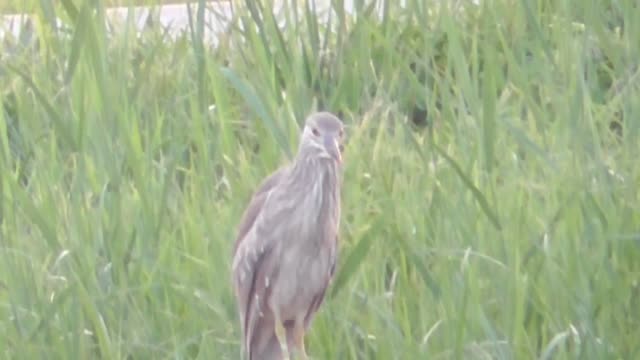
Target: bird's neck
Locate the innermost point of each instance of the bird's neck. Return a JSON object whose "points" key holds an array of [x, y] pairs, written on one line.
{"points": [[316, 183], [309, 172]]}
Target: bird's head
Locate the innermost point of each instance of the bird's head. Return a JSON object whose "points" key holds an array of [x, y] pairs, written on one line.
{"points": [[322, 136]]}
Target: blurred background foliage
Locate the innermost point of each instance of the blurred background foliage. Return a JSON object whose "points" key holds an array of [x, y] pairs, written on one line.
{"points": [[491, 179]]}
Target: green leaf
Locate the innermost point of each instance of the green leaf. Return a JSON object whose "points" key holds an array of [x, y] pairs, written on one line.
{"points": [[71, 9], [352, 261], [258, 107], [61, 126], [484, 204], [77, 42], [489, 107], [41, 219]]}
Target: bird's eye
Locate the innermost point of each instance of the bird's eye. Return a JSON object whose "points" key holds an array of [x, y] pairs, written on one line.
{"points": [[315, 132]]}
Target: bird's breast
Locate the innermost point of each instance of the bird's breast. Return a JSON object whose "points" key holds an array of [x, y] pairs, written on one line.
{"points": [[303, 216], [311, 205]]}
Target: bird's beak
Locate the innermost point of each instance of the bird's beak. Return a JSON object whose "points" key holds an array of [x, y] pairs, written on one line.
{"points": [[332, 147]]}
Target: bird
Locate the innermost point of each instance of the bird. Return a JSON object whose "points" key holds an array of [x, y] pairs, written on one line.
{"points": [[284, 256]]}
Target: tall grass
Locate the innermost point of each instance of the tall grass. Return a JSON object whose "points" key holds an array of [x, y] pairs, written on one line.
{"points": [[491, 199]]}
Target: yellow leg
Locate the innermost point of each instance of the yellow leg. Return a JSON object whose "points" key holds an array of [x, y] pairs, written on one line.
{"points": [[298, 336], [281, 334]]}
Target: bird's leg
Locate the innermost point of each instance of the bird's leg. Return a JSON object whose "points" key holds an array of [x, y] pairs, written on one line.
{"points": [[281, 334], [298, 338]]}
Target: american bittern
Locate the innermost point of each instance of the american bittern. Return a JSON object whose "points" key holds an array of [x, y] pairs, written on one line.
{"points": [[286, 247]]}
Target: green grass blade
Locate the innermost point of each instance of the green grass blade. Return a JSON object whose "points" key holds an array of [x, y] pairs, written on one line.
{"points": [[62, 127], [258, 107], [77, 42], [352, 261]]}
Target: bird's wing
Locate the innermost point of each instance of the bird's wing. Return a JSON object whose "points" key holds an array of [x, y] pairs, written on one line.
{"points": [[251, 261], [319, 298], [255, 206]]}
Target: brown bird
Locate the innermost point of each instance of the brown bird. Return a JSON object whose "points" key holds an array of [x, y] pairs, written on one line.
{"points": [[286, 247]]}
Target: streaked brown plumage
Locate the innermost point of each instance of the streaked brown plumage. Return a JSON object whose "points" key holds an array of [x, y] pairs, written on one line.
{"points": [[286, 247]]}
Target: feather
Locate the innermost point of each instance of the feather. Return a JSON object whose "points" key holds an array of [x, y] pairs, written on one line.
{"points": [[248, 263], [255, 205], [286, 247]]}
